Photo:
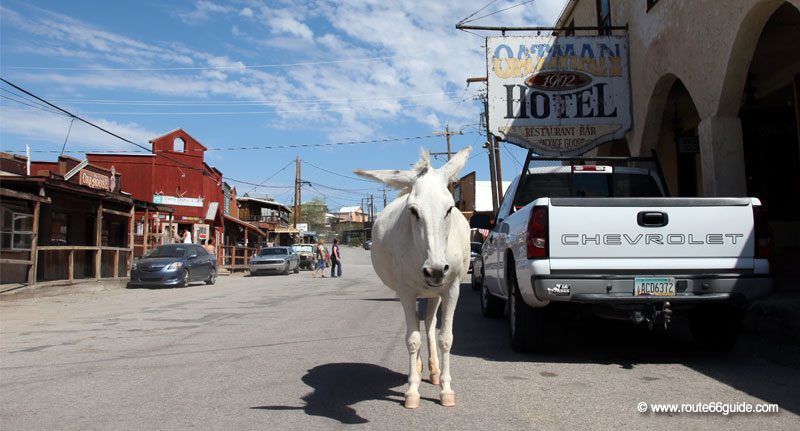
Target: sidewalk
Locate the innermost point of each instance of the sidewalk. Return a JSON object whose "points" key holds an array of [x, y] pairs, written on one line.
{"points": [[39, 291], [776, 317]]}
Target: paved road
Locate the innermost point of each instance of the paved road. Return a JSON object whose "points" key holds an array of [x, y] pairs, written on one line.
{"points": [[292, 352]]}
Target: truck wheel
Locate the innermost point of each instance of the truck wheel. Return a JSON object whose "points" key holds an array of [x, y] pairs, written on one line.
{"points": [[716, 327], [491, 306], [525, 322]]}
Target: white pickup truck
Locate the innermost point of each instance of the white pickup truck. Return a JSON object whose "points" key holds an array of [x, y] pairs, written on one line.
{"points": [[603, 234]]}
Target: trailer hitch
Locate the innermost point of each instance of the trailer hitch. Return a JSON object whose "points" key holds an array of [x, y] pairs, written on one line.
{"points": [[653, 314]]}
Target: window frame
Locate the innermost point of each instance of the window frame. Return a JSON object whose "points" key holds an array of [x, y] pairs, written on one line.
{"points": [[13, 232]]}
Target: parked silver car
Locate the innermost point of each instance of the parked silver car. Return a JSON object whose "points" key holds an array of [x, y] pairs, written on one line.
{"points": [[279, 259]]}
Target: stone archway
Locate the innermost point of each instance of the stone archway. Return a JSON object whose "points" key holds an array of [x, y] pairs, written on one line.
{"points": [[762, 91], [671, 129]]}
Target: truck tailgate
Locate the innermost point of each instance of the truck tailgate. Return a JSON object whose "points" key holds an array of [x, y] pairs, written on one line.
{"points": [[646, 230]]}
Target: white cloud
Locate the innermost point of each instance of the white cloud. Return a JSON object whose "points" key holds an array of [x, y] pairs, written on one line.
{"points": [[246, 12], [47, 131], [283, 21], [202, 11]]}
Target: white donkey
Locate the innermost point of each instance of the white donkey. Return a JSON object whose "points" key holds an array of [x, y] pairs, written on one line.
{"points": [[420, 249]]}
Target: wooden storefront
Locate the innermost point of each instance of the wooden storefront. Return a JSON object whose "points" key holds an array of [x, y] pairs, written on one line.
{"points": [[64, 228]]}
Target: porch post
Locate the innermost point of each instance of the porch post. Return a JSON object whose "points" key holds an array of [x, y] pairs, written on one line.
{"points": [[146, 237], [34, 257], [131, 223], [98, 240]]}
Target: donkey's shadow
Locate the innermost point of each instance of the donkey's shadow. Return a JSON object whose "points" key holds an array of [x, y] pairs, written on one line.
{"points": [[337, 387]]}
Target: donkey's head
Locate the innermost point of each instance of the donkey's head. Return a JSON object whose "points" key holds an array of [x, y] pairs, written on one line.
{"points": [[428, 208]]}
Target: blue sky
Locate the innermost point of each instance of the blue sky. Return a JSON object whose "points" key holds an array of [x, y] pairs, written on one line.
{"points": [[251, 73]]}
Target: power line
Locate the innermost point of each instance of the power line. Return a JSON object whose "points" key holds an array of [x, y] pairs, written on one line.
{"points": [[243, 102], [501, 10], [262, 147], [474, 13], [32, 105], [234, 67], [273, 175], [334, 173]]}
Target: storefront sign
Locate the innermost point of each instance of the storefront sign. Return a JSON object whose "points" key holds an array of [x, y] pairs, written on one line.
{"points": [[94, 180], [176, 201], [558, 95]]}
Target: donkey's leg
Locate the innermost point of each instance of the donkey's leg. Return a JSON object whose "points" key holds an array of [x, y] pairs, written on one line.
{"points": [[449, 300], [430, 330], [413, 341]]}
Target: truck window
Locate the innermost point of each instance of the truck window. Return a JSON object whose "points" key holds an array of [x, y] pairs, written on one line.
{"points": [[588, 185]]}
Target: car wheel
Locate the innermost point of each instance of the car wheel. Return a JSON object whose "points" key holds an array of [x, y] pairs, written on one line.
{"points": [[491, 306], [185, 280], [716, 327], [286, 270], [297, 269], [526, 324], [212, 276]]}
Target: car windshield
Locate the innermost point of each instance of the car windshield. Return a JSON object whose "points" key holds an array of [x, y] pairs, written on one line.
{"points": [[303, 248], [273, 252], [168, 251]]}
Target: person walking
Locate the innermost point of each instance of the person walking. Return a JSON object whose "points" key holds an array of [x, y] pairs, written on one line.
{"points": [[322, 255], [186, 237], [336, 259]]}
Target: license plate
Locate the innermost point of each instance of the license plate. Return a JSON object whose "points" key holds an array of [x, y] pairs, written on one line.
{"points": [[654, 286]]}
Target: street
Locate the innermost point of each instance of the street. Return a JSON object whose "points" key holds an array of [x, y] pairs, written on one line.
{"points": [[294, 352]]}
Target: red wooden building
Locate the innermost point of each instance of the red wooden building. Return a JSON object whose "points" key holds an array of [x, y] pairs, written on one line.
{"points": [[175, 175]]}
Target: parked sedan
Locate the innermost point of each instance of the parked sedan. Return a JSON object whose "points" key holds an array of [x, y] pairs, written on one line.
{"points": [[280, 259], [368, 244], [174, 265]]}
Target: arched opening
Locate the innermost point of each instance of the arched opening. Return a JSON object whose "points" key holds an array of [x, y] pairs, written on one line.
{"points": [[771, 143], [178, 145], [676, 141]]}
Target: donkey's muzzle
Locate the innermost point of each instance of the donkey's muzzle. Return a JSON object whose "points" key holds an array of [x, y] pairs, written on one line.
{"points": [[434, 275]]}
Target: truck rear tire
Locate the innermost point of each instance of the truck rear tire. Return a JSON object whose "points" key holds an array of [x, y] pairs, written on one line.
{"points": [[526, 323], [716, 327], [491, 306]]}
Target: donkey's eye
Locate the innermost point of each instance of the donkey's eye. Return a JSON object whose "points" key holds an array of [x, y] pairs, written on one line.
{"points": [[448, 212], [414, 211]]}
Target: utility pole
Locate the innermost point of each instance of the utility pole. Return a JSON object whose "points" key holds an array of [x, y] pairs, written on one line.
{"points": [[371, 208], [297, 201], [447, 133], [498, 170], [384, 197]]}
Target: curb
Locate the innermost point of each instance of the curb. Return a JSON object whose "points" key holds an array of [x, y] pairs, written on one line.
{"points": [[42, 291]]}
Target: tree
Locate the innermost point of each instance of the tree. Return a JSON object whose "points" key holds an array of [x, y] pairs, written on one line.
{"points": [[313, 213]]}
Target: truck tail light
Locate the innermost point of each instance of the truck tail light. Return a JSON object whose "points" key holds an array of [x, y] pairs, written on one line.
{"points": [[537, 233], [761, 230]]}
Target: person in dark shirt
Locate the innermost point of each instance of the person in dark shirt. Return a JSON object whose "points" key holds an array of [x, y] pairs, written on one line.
{"points": [[336, 259]]}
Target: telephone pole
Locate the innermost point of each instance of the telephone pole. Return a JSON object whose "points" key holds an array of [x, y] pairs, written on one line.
{"points": [[297, 201], [371, 208], [447, 133], [384, 190]]}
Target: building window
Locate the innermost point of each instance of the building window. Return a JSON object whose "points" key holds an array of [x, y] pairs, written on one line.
{"points": [[16, 229], [603, 17], [650, 4], [178, 145]]}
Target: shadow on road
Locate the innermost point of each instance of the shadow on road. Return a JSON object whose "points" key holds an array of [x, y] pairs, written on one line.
{"points": [[761, 369], [336, 387]]}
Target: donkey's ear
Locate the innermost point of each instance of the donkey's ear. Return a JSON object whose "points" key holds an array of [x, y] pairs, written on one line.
{"points": [[453, 168], [396, 179]]}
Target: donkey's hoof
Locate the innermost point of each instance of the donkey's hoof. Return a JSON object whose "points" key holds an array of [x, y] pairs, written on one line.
{"points": [[412, 401], [435, 378], [448, 399]]}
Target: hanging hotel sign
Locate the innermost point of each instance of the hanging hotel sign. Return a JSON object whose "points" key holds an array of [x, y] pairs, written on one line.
{"points": [[174, 200], [558, 95], [95, 180]]}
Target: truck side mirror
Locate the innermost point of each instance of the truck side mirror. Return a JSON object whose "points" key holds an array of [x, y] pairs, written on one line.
{"points": [[481, 221]]}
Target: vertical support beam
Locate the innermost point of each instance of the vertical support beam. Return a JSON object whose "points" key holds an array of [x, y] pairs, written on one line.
{"points": [[722, 157], [33, 268], [116, 263], [131, 240], [146, 238], [71, 266], [98, 240], [498, 170], [493, 178]]}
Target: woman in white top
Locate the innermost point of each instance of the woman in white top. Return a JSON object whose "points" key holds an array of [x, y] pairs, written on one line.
{"points": [[187, 237]]}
